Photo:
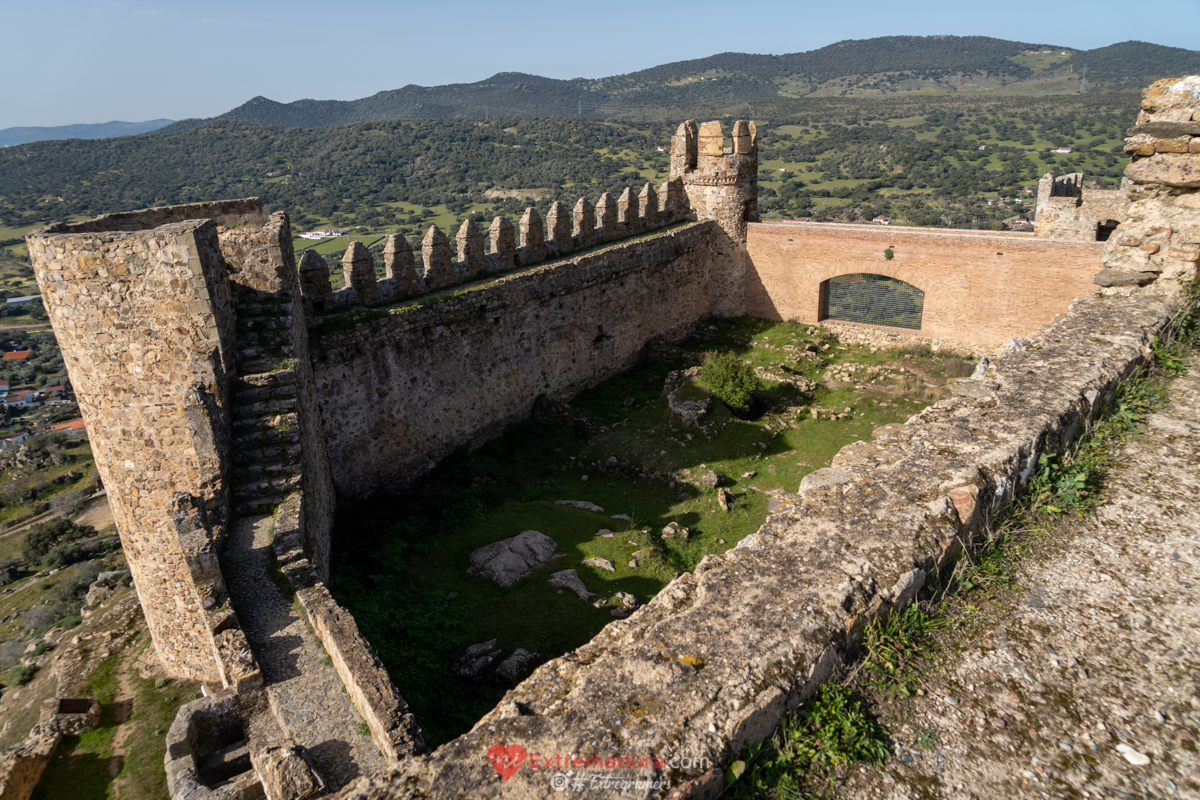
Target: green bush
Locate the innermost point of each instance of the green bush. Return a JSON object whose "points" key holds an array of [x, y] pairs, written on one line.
{"points": [[19, 676], [45, 537], [731, 380]]}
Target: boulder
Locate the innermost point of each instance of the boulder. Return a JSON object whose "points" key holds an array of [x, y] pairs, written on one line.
{"points": [[626, 601], [507, 561], [600, 563], [569, 579], [676, 531], [710, 479], [103, 586], [286, 774], [586, 506], [475, 661], [724, 499], [823, 479], [517, 667]]}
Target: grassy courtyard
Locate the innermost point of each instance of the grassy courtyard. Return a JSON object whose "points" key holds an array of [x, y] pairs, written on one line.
{"points": [[400, 559]]}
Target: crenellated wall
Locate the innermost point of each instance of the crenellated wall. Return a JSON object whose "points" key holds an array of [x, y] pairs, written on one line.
{"points": [[471, 258], [402, 388]]}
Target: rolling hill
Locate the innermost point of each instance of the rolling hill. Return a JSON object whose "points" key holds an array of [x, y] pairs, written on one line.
{"points": [[883, 66]]}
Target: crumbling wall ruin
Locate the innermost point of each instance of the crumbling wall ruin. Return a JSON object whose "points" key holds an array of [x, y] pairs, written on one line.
{"points": [[1068, 209]]}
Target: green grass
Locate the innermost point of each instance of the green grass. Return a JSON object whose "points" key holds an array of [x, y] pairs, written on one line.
{"points": [[829, 733], [80, 768], [399, 556]]}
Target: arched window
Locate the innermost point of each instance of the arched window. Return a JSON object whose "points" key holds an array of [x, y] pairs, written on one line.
{"points": [[873, 299]]}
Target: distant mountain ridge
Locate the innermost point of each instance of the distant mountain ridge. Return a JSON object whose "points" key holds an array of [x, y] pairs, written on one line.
{"points": [[881, 66], [98, 130]]}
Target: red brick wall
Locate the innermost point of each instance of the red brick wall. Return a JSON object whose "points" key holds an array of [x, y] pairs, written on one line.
{"points": [[980, 287]]}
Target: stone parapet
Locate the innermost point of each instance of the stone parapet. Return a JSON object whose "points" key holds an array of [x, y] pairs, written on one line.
{"points": [[393, 728], [716, 658], [402, 387], [563, 232]]}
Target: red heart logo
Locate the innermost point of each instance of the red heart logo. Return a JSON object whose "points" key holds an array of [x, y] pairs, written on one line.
{"points": [[506, 760]]}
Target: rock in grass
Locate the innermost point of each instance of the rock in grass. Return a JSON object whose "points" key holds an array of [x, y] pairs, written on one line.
{"points": [[724, 499], [474, 663], [626, 601], [676, 531], [600, 563], [585, 505], [623, 517], [569, 579], [507, 561], [605, 533], [517, 667]]}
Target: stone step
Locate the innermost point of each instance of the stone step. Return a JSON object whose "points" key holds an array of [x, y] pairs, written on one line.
{"points": [[271, 406], [259, 455], [257, 309], [252, 505], [261, 436], [260, 365], [256, 394], [264, 486], [256, 471], [284, 377], [248, 340]]}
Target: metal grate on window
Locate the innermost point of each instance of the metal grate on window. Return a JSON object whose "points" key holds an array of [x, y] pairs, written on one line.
{"points": [[873, 299]]}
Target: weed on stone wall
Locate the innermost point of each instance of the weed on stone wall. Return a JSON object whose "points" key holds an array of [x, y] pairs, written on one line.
{"points": [[830, 732], [901, 648]]}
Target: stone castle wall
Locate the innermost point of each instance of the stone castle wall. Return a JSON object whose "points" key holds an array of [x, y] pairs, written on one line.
{"points": [[714, 660], [981, 288], [1068, 209], [262, 268], [404, 388], [143, 315]]}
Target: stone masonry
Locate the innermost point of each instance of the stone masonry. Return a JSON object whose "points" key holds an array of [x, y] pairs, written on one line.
{"points": [[184, 334], [1068, 209], [142, 311]]}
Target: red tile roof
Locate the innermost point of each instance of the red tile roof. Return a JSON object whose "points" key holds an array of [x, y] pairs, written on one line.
{"points": [[73, 425], [17, 355]]}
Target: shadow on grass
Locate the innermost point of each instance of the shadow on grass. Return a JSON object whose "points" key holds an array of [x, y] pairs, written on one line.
{"points": [[398, 558]]}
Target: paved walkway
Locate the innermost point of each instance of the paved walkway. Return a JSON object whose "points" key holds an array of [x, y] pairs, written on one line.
{"points": [[306, 694], [1085, 683]]}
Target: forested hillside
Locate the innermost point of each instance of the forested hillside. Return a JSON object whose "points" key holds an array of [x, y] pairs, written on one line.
{"points": [[886, 66], [920, 159]]}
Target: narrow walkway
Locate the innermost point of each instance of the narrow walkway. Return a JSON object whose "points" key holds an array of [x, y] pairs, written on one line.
{"points": [[1085, 683], [305, 693]]}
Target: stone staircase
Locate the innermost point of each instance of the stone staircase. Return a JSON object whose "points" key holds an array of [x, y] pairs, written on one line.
{"points": [[266, 436]]}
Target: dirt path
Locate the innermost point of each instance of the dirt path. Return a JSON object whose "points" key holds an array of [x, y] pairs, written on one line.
{"points": [[1085, 682]]}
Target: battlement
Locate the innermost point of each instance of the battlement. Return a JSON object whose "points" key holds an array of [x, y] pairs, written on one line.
{"points": [[1069, 209], [532, 241], [720, 181]]}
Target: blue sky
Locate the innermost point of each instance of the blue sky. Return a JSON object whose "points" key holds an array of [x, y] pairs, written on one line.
{"points": [[73, 61]]}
